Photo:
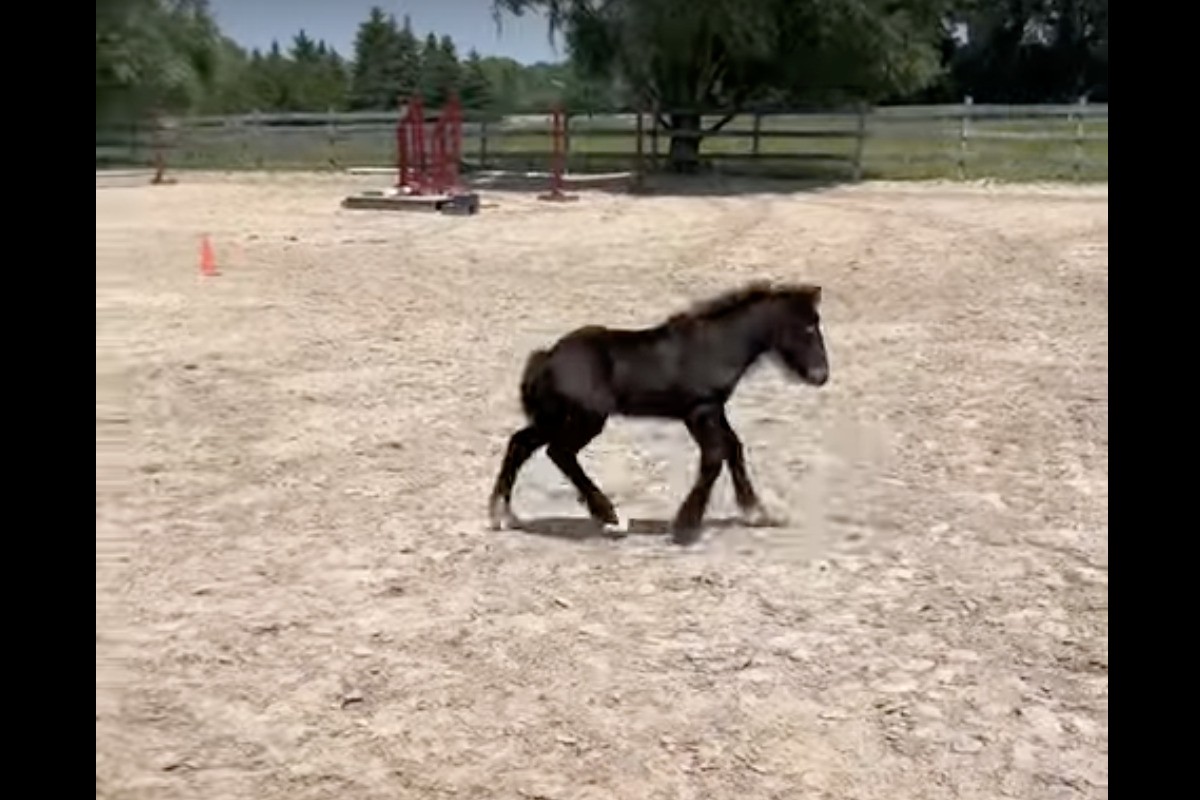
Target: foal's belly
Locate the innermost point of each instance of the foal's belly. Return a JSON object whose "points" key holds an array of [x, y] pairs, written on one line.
{"points": [[662, 405], [656, 393]]}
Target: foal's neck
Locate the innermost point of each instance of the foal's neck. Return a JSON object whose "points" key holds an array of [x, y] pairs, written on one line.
{"points": [[751, 329]]}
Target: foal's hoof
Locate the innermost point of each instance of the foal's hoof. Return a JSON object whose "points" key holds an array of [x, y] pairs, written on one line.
{"points": [[684, 535], [757, 517], [604, 513], [607, 518], [501, 516], [614, 530]]}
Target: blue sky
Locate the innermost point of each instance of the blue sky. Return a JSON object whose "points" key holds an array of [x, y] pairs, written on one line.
{"points": [[254, 23]]}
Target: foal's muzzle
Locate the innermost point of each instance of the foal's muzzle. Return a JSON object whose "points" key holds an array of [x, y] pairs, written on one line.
{"points": [[817, 376]]}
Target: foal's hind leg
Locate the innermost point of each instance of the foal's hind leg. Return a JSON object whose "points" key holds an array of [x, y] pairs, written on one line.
{"points": [[565, 444], [521, 446]]}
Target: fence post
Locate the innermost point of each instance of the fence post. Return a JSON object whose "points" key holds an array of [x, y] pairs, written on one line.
{"points": [[134, 134], [331, 134], [566, 141], [158, 151], [255, 139], [483, 137], [639, 167], [654, 114], [858, 145], [242, 133], [754, 141], [1077, 166], [963, 135]]}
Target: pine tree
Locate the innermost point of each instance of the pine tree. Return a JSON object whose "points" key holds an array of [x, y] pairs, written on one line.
{"points": [[372, 79], [406, 65], [304, 49], [275, 93], [476, 88], [335, 78], [439, 70], [451, 67]]}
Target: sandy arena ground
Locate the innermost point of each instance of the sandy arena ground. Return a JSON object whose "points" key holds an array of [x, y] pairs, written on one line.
{"points": [[297, 597]]}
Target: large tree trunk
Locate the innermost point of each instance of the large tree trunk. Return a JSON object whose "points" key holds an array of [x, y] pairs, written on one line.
{"points": [[684, 153]]}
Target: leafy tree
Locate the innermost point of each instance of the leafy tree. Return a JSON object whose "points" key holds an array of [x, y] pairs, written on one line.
{"points": [[518, 88], [314, 75], [584, 94], [153, 55], [168, 55], [689, 55], [276, 90], [504, 76], [231, 89], [1032, 50]]}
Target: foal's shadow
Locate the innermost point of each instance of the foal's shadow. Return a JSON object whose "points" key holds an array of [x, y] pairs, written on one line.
{"points": [[583, 528]]}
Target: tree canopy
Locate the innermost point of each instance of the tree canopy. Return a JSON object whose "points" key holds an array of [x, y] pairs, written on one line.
{"points": [[723, 54], [1028, 51], [169, 56], [153, 53], [690, 56]]}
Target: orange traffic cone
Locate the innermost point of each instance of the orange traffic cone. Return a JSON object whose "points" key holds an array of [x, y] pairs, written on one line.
{"points": [[208, 263]]}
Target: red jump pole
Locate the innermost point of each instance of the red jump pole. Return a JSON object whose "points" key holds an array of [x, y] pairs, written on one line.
{"points": [[402, 137], [558, 160], [422, 155], [453, 153], [410, 148], [447, 148], [438, 167]]}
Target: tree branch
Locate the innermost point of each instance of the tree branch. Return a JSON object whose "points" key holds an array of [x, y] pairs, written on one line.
{"points": [[716, 72], [722, 122]]}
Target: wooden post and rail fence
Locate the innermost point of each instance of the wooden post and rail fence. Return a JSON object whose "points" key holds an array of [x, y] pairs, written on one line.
{"points": [[965, 140]]}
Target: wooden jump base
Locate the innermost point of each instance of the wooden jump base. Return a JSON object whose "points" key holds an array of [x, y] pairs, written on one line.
{"points": [[112, 178], [372, 170], [392, 200], [528, 181], [608, 181]]}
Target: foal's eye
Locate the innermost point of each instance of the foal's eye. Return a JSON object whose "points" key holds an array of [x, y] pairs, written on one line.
{"points": [[810, 329]]}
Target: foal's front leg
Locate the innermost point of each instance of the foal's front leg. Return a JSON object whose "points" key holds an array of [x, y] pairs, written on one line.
{"points": [[705, 427], [752, 511]]}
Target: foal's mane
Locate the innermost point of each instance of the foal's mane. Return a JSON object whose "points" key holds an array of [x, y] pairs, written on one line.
{"points": [[724, 304]]}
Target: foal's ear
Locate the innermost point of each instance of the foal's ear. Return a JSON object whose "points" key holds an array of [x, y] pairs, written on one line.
{"points": [[813, 293]]}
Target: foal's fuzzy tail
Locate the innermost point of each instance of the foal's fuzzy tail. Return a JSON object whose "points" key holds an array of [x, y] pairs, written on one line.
{"points": [[534, 382]]}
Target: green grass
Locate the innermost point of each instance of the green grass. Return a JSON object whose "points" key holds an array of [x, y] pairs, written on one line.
{"points": [[894, 149]]}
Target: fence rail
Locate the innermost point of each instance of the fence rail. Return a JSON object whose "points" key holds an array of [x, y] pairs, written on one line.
{"points": [[963, 140], [925, 112]]}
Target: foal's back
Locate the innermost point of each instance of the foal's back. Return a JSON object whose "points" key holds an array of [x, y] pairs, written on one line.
{"points": [[662, 371]]}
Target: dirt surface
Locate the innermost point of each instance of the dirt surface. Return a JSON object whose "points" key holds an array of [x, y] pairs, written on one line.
{"points": [[297, 596]]}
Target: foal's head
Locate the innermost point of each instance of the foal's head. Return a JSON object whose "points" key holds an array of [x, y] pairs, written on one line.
{"points": [[796, 332]]}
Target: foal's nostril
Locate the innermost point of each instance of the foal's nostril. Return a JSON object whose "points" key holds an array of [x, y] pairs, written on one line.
{"points": [[818, 375]]}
